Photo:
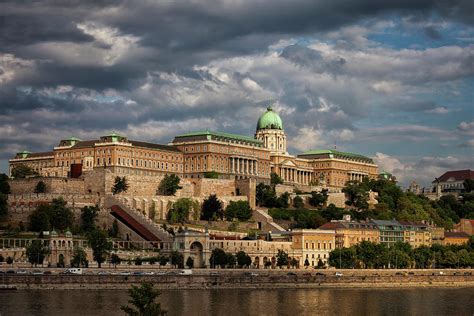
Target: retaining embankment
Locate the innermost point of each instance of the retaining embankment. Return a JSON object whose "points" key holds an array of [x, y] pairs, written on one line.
{"points": [[269, 281]]}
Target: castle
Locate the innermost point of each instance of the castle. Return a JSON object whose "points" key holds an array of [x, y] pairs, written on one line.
{"points": [[196, 154]]}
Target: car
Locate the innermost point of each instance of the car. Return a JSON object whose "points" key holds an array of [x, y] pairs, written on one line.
{"points": [[22, 272], [251, 274], [48, 272], [73, 271], [138, 273], [102, 273], [172, 273], [214, 273], [125, 273], [10, 272], [338, 274], [186, 272], [307, 274], [161, 272], [399, 273], [320, 274], [37, 272], [467, 273], [411, 273], [149, 273], [291, 274]]}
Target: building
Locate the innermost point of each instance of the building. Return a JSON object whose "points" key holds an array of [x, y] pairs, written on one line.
{"points": [[414, 188], [313, 245], [416, 234], [391, 232], [452, 181], [465, 225], [455, 238], [203, 154], [350, 233]]}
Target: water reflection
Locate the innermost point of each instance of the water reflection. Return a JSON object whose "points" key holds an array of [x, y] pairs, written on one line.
{"points": [[418, 301]]}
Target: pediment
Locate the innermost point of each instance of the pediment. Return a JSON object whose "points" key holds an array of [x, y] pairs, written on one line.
{"points": [[288, 163]]}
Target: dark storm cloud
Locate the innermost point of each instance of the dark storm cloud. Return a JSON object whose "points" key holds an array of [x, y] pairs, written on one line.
{"points": [[432, 33], [307, 57]]}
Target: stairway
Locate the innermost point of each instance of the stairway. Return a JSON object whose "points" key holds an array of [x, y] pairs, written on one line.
{"points": [[261, 214], [146, 227]]}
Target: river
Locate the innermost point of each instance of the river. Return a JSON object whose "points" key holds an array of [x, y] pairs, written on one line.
{"points": [[410, 301]]}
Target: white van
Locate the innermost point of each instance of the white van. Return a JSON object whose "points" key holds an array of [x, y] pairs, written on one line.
{"points": [[186, 272], [73, 271]]}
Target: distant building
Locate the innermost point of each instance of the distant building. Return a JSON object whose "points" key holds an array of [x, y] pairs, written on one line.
{"points": [[416, 234], [455, 238], [465, 225], [350, 233], [414, 188], [452, 181], [313, 245], [391, 231]]}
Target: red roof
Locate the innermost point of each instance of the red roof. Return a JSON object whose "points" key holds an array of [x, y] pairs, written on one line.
{"points": [[331, 225], [455, 235], [458, 175], [133, 224]]}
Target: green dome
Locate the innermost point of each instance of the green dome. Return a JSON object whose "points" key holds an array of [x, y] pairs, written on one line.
{"points": [[269, 120]]}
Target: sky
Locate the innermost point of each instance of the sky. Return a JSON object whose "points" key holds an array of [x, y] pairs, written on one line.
{"points": [[393, 79]]}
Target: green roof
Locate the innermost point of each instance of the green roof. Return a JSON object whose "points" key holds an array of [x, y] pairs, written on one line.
{"points": [[269, 120], [73, 138], [334, 152], [211, 134]]}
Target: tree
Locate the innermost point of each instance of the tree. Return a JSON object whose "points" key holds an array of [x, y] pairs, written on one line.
{"points": [[114, 230], [230, 260], [283, 200], [36, 252], [163, 260], [468, 185], [177, 259], [243, 259], [298, 202], [3, 206], [282, 258], [138, 261], [61, 217], [99, 244], [212, 209], [238, 209], [265, 195], [318, 199], [9, 260], [306, 262], [320, 264], [179, 212], [115, 260], [22, 171], [1, 259], [143, 299], [39, 219], [4, 185], [169, 185], [357, 194], [88, 217], [218, 258], [40, 187], [190, 262], [120, 185], [367, 253], [422, 257], [79, 258], [343, 258], [275, 179], [294, 262]]}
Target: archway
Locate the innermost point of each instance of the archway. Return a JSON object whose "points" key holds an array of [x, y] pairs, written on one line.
{"points": [[256, 262], [195, 251]]}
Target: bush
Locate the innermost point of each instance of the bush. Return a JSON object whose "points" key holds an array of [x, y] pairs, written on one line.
{"points": [[169, 185], [179, 212], [238, 209], [298, 202], [212, 209]]}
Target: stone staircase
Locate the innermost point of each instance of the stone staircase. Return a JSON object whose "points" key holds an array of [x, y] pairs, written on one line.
{"points": [[153, 227], [261, 214]]}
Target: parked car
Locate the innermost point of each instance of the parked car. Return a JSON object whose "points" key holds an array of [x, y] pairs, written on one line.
{"points": [[22, 272], [186, 272], [149, 273], [321, 274], [291, 274], [172, 273], [10, 272], [138, 273], [214, 273], [103, 273], [73, 271], [37, 272], [307, 274], [125, 273], [161, 272], [251, 274], [338, 274]]}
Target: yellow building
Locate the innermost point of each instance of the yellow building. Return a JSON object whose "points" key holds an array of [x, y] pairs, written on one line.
{"points": [[313, 245], [455, 238], [416, 234], [350, 233]]}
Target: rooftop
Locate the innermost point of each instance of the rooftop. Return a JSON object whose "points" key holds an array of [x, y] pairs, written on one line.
{"points": [[336, 153], [210, 134], [456, 175]]}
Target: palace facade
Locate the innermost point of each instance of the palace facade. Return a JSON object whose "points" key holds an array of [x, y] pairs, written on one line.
{"points": [[200, 154]]}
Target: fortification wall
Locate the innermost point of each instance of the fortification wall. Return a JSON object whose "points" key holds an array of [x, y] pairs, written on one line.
{"points": [[53, 185], [248, 188], [221, 187]]}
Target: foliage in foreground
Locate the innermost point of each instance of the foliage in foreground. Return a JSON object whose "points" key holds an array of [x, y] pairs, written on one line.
{"points": [[143, 301]]}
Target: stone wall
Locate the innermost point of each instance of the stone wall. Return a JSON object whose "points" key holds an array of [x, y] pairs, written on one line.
{"points": [[53, 185], [338, 199], [248, 188], [221, 187]]}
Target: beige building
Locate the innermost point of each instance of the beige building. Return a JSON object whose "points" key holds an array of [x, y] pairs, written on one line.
{"points": [[417, 234], [350, 233], [313, 245]]}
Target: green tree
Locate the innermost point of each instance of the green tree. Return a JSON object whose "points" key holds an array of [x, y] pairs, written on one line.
{"points": [[179, 212], [138, 261], [306, 262], [115, 260], [79, 258], [218, 258], [282, 258], [4, 185], [238, 209], [343, 258], [114, 230], [143, 301], [40, 187], [212, 209], [9, 260], [169, 185], [357, 194], [243, 259], [100, 245], [39, 219], [265, 195], [298, 202], [120, 185], [283, 200], [163, 260], [190, 263], [367, 253], [3, 206], [294, 262], [230, 260], [423, 257], [36, 252], [177, 259], [468, 185], [88, 217], [22, 171], [275, 179], [318, 199], [61, 217]]}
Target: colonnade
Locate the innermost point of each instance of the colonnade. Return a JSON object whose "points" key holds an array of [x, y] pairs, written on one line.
{"points": [[295, 175], [243, 166], [356, 176]]}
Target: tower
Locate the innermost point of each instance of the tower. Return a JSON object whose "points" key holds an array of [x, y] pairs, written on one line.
{"points": [[270, 131]]}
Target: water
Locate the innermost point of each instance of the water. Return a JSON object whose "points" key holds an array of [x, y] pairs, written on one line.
{"points": [[416, 301]]}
